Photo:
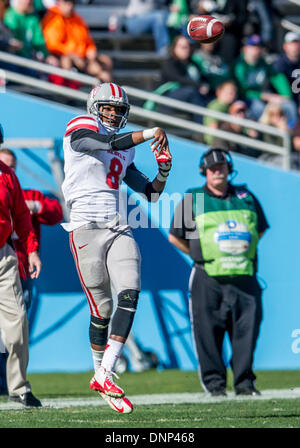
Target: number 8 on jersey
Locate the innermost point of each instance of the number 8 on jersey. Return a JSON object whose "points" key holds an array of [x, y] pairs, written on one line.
{"points": [[113, 176]]}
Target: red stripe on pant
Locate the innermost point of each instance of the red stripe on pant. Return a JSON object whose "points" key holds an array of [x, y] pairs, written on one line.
{"points": [[87, 292]]}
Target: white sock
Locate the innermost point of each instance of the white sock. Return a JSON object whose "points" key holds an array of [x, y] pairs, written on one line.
{"points": [[112, 353], [97, 358]]}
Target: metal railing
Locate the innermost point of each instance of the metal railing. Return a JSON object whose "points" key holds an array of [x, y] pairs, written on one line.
{"points": [[287, 24], [296, 2], [290, 26], [282, 151], [46, 68]]}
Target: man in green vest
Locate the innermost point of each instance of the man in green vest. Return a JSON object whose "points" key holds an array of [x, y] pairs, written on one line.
{"points": [[219, 226]]}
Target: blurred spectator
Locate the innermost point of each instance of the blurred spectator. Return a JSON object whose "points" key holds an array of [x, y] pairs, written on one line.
{"points": [[25, 26], [41, 6], [259, 21], [289, 61], [273, 115], [178, 17], [7, 40], [225, 95], [198, 7], [237, 109], [257, 80], [68, 37], [296, 136], [144, 16], [182, 77], [212, 66], [233, 14]]}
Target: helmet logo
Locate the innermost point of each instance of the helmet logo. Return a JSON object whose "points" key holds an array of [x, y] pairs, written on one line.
{"points": [[116, 99], [94, 91]]}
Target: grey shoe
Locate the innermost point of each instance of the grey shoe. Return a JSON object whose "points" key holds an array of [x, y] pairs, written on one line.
{"points": [[27, 399], [218, 392], [248, 391]]}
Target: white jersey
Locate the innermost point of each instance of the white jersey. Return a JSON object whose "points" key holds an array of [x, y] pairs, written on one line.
{"points": [[92, 177]]}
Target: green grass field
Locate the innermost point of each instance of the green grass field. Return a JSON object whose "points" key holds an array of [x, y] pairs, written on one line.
{"points": [[225, 413]]}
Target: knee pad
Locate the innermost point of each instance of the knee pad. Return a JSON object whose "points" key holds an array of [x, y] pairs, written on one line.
{"points": [[128, 299], [124, 315], [98, 330]]}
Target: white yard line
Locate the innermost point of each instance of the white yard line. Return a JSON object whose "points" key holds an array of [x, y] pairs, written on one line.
{"points": [[187, 398]]}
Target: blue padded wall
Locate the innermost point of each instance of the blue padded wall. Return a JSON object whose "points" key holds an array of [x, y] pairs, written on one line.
{"points": [[59, 318]]}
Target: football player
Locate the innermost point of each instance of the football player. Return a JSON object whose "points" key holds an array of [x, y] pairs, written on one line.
{"points": [[97, 160]]}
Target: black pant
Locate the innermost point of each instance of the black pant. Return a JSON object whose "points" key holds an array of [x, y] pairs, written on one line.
{"points": [[227, 304]]}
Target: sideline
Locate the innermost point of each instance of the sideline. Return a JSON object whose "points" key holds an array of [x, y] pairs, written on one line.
{"points": [[155, 399]]}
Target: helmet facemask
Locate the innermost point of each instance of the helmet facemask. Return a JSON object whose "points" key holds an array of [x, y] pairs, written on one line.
{"points": [[109, 94], [113, 120]]}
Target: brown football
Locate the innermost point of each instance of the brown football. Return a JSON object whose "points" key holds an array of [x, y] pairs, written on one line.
{"points": [[205, 29]]}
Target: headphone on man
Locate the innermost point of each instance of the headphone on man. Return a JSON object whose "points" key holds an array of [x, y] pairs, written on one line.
{"points": [[217, 155]]}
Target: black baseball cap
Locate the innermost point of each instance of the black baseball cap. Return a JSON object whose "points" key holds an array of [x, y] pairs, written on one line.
{"points": [[214, 156]]}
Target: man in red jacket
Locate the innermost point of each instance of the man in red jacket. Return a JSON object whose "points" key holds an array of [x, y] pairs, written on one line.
{"points": [[15, 216], [43, 210]]}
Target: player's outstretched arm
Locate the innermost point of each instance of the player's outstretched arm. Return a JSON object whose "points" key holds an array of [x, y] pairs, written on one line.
{"points": [[87, 139], [160, 148], [164, 163], [140, 183], [157, 135]]}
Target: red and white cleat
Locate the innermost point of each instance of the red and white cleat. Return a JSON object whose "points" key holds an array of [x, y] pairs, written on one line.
{"points": [[102, 381], [121, 405]]}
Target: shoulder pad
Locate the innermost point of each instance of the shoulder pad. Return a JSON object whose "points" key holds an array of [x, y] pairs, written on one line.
{"points": [[82, 122]]}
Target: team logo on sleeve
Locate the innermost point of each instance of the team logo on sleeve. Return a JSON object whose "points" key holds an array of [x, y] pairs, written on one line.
{"points": [[242, 194]]}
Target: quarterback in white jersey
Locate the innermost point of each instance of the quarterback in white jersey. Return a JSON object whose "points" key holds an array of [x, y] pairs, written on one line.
{"points": [[106, 256], [91, 186]]}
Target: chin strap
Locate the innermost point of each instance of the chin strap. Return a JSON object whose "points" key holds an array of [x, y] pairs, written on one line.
{"points": [[109, 129]]}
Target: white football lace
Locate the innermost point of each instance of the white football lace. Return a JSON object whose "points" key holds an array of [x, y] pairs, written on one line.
{"points": [[111, 374], [199, 19]]}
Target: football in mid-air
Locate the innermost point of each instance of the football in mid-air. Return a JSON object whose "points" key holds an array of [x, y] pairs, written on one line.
{"points": [[205, 29]]}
